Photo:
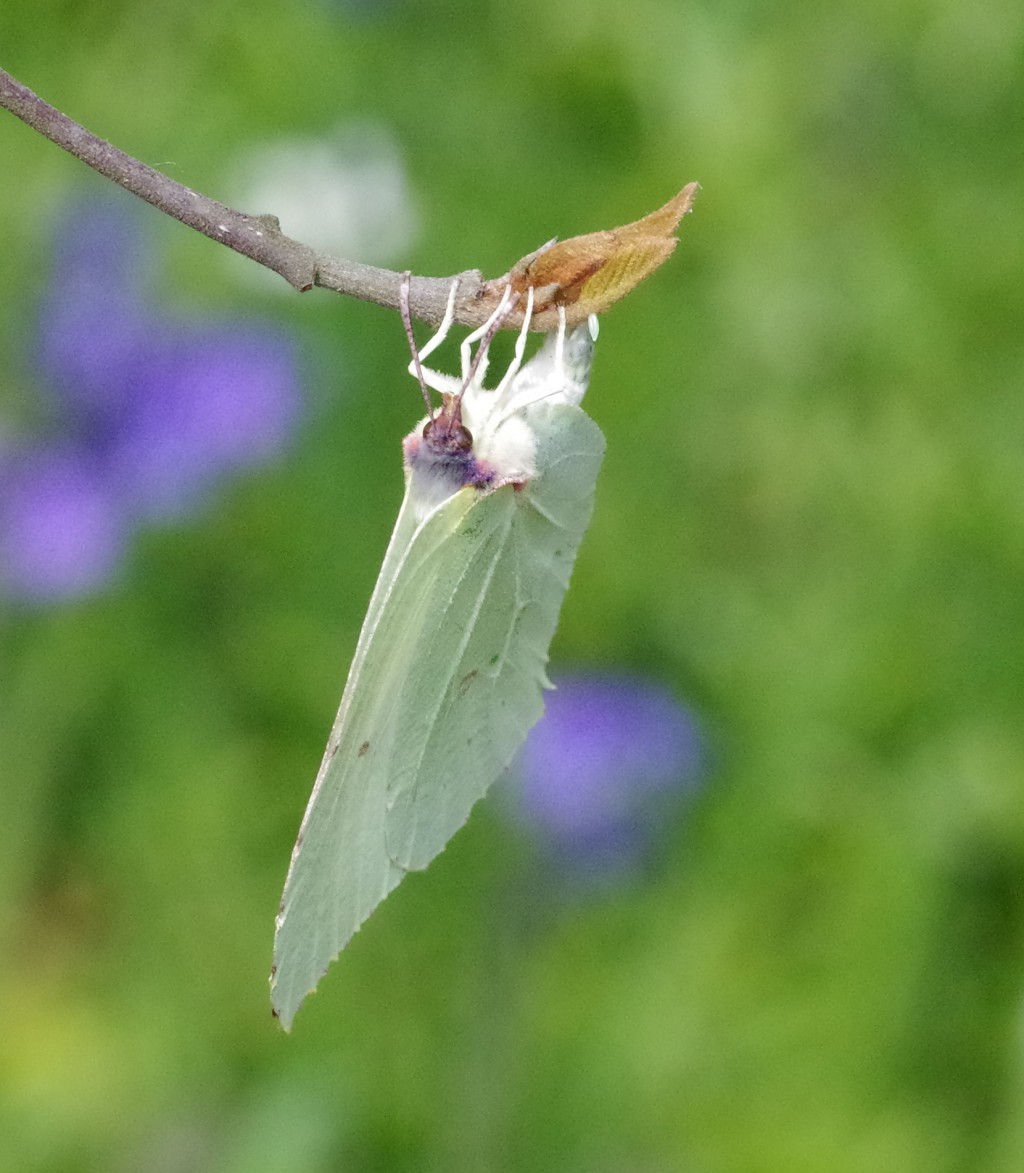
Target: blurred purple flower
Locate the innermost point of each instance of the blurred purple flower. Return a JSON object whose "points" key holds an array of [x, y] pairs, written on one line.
{"points": [[153, 411], [61, 532], [206, 403], [596, 770], [94, 330]]}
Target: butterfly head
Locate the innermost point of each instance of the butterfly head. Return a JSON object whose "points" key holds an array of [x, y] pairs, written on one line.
{"points": [[444, 433]]}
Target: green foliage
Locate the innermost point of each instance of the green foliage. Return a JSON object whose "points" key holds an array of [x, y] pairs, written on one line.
{"points": [[810, 520]]}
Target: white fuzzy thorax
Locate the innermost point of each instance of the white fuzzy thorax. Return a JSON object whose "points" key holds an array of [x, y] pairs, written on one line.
{"points": [[504, 445]]}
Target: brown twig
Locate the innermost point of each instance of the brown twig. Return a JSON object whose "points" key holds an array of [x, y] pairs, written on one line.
{"points": [[258, 237], [579, 277]]}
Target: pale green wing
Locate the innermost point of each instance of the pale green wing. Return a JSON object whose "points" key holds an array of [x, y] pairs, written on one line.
{"points": [[340, 869], [445, 684]]}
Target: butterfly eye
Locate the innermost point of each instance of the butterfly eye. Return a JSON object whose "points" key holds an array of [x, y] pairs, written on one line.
{"points": [[444, 437]]}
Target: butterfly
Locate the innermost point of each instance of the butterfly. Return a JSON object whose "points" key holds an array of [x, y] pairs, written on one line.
{"points": [[449, 671]]}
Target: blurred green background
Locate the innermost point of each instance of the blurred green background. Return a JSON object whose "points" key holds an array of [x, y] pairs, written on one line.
{"points": [[810, 523]]}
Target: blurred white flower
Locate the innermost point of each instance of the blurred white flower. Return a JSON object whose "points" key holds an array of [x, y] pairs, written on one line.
{"points": [[346, 192]]}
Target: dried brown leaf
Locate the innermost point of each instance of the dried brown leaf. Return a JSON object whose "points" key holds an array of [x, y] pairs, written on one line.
{"points": [[587, 274]]}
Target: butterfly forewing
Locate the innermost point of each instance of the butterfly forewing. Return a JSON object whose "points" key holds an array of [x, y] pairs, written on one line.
{"points": [[340, 868]]}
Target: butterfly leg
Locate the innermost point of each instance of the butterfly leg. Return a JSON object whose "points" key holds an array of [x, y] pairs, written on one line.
{"points": [[517, 357], [476, 367], [446, 384], [560, 343], [446, 324]]}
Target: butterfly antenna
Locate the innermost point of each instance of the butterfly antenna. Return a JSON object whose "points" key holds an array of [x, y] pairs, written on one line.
{"points": [[403, 301], [493, 326]]}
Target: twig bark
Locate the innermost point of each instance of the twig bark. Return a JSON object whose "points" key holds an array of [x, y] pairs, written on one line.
{"points": [[258, 237]]}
